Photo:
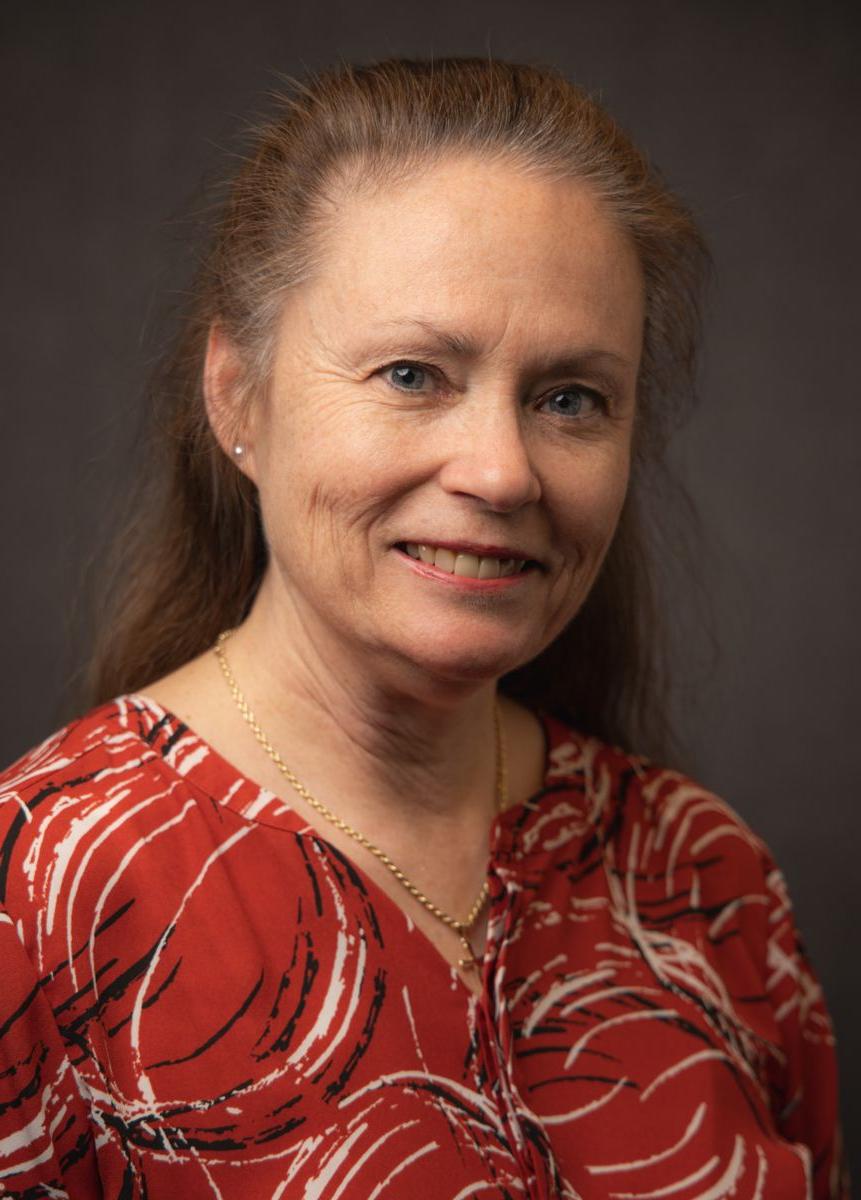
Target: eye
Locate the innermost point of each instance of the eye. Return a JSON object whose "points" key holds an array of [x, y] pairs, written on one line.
{"points": [[407, 376], [574, 402]]}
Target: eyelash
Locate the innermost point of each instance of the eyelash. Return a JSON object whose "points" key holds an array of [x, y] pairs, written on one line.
{"points": [[430, 369]]}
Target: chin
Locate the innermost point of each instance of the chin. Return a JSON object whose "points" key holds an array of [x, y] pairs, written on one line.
{"points": [[457, 661]]}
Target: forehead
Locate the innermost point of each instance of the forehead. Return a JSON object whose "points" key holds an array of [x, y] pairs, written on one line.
{"points": [[481, 243]]}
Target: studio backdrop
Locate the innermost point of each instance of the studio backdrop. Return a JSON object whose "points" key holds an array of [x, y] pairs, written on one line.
{"points": [[119, 117]]}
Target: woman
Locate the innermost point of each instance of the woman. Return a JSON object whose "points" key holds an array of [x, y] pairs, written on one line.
{"points": [[353, 883]]}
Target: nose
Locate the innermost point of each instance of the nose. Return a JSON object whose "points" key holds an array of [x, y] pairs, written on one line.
{"points": [[489, 457]]}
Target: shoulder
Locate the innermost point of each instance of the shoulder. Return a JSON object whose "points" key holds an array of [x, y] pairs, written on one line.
{"points": [[658, 822], [106, 738], [677, 870], [100, 762]]}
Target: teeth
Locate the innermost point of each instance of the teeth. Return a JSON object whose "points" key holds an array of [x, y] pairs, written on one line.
{"points": [[445, 560], [468, 565]]}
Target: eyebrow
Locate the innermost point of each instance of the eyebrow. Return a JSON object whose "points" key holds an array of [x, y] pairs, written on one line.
{"points": [[463, 346], [456, 343]]}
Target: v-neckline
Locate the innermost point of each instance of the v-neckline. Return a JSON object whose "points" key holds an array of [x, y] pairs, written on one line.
{"points": [[189, 755]]}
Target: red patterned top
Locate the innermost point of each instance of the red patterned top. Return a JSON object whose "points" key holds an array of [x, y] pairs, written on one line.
{"points": [[201, 997]]}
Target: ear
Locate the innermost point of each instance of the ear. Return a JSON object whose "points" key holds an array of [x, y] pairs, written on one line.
{"points": [[226, 406]]}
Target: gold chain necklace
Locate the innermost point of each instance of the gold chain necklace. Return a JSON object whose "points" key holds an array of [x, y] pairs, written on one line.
{"points": [[461, 928]]}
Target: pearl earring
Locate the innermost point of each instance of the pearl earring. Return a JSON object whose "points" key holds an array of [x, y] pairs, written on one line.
{"points": [[238, 450]]}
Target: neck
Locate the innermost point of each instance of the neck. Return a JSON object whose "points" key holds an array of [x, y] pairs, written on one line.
{"points": [[372, 729]]}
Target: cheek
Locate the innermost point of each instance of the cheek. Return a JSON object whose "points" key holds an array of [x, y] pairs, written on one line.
{"points": [[612, 498], [322, 503], [588, 499]]}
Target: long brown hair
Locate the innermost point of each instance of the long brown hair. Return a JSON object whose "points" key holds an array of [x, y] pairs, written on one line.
{"points": [[191, 558]]}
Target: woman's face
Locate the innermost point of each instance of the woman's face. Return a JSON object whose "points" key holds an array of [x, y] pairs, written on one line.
{"points": [[459, 375]]}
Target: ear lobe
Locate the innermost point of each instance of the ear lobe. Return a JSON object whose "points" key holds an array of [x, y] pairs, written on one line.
{"points": [[222, 392]]}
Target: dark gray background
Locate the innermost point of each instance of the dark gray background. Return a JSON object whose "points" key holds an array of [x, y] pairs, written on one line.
{"points": [[112, 115]]}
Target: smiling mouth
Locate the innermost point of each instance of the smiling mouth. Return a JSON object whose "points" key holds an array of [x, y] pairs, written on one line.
{"points": [[464, 563]]}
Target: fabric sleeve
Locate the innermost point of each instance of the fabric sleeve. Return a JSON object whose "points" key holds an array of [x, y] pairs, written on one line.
{"points": [[46, 1145], [803, 1081]]}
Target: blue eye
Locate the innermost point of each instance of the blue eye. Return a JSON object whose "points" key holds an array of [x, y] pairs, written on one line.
{"points": [[570, 401], [407, 376]]}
